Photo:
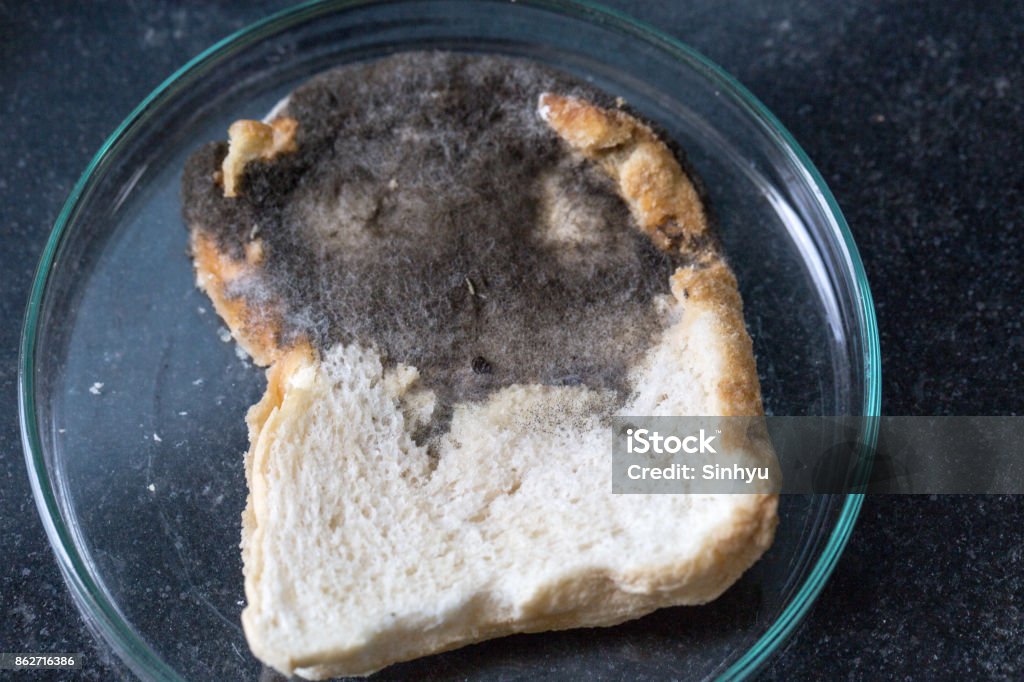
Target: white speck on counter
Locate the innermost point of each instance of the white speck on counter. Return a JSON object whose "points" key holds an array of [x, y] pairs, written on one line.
{"points": [[224, 334], [151, 488], [62, 430], [240, 352], [95, 388], [157, 438], [202, 310], [197, 382], [183, 414]]}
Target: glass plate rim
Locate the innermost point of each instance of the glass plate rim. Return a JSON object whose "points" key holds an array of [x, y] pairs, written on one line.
{"points": [[89, 596]]}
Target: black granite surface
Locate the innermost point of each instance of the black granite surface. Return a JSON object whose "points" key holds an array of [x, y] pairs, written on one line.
{"points": [[913, 112]]}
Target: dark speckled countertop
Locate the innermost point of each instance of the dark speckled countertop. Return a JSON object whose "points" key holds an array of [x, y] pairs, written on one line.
{"points": [[913, 112]]}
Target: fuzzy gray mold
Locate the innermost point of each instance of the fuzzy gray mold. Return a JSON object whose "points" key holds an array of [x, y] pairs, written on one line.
{"points": [[429, 212]]}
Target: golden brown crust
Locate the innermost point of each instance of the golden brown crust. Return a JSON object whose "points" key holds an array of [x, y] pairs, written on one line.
{"points": [[712, 288], [663, 200], [257, 331], [251, 140]]}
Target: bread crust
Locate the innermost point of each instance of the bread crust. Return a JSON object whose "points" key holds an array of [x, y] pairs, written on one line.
{"points": [[666, 206], [257, 330], [661, 197], [252, 140]]}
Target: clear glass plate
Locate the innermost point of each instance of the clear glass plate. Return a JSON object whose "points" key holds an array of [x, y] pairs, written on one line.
{"points": [[132, 409]]}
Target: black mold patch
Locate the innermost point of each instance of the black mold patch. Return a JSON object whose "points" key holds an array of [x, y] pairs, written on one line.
{"points": [[416, 217]]}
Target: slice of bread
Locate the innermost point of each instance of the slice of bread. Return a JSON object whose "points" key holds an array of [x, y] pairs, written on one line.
{"points": [[430, 464]]}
